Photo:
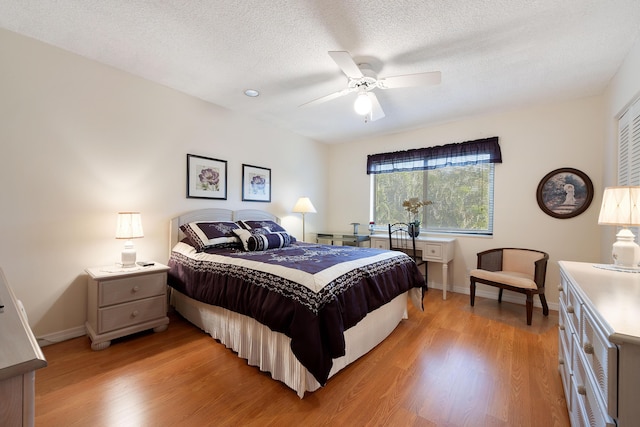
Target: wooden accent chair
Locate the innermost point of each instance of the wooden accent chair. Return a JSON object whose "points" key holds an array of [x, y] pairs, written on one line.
{"points": [[513, 269], [401, 240]]}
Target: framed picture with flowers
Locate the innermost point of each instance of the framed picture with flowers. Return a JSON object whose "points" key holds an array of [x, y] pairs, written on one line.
{"points": [[206, 178], [256, 184]]}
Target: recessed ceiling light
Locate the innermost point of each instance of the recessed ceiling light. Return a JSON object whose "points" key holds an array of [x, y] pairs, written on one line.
{"points": [[251, 93]]}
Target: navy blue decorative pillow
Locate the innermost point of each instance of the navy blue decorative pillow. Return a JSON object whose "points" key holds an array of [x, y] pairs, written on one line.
{"points": [[270, 225], [211, 234], [258, 240]]}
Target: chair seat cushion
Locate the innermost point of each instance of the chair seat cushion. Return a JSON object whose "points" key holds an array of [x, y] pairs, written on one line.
{"points": [[511, 278]]}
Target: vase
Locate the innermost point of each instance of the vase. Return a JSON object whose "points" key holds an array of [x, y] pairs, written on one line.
{"points": [[414, 229]]}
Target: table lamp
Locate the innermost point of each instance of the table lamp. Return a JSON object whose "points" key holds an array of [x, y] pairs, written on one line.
{"points": [[129, 227], [303, 206], [621, 207]]}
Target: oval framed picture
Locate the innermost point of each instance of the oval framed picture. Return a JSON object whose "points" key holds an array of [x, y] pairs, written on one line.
{"points": [[564, 193]]}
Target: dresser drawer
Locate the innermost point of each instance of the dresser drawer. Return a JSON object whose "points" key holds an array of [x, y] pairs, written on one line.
{"points": [[131, 313], [433, 251], [565, 334], [131, 288], [586, 402], [574, 309], [562, 289], [602, 359], [564, 367], [380, 243]]}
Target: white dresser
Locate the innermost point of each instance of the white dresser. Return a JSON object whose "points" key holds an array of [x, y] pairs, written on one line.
{"points": [[599, 344], [20, 356], [433, 249]]}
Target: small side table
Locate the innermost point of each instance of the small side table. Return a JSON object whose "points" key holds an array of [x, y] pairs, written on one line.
{"points": [[123, 301]]}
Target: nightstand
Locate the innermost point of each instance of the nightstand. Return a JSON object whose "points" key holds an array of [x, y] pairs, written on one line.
{"points": [[123, 301]]}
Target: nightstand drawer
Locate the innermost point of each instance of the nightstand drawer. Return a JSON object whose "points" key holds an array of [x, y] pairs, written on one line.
{"points": [[132, 313], [131, 289]]}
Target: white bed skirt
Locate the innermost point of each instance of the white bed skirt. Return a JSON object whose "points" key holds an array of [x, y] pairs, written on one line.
{"points": [[271, 351]]}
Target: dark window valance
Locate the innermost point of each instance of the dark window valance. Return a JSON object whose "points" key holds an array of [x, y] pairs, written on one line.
{"points": [[458, 154]]}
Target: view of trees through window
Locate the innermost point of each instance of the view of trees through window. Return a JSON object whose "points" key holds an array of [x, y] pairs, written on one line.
{"points": [[462, 198]]}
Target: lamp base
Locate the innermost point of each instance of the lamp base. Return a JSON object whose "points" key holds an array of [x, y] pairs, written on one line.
{"points": [[625, 251], [128, 255]]}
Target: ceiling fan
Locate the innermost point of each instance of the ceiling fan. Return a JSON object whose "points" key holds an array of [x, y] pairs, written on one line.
{"points": [[362, 80]]}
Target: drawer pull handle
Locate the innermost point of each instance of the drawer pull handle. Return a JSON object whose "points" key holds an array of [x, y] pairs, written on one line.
{"points": [[135, 289], [560, 288], [588, 348], [582, 390], [561, 361], [570, 309], [135, 313], [561, 327]]}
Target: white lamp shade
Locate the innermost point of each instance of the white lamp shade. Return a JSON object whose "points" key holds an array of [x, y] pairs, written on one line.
{"points": [[304, 205], [362, 104], [129, 225], [620, 206]]}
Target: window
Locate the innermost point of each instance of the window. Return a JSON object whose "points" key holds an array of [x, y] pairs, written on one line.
{"points": [[629, 149], [629, 146], [457, 178]]}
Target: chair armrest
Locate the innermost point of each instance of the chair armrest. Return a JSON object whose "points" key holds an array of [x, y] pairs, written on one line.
{"points": [[541, 271]]}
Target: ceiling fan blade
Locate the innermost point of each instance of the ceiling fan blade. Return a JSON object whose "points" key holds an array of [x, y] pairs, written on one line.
{"points": [[346, 64], [328, 97], [376, 109], [410, 80]]}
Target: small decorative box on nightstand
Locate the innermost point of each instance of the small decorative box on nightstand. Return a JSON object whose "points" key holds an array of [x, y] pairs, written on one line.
{"points": [[123, 301]]}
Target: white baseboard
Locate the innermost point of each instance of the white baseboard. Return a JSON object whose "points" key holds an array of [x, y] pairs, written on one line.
{"points": [[507, 296], [57, 337]]}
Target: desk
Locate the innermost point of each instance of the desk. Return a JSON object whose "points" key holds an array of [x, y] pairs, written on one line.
{"points": [[434, 249], [345, 238]]}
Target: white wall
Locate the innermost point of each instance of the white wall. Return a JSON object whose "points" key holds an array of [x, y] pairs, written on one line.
{"points": [[81, 141], [534, 141]]}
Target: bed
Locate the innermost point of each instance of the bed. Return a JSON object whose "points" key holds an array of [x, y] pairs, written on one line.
{"points": [[279, 306]]}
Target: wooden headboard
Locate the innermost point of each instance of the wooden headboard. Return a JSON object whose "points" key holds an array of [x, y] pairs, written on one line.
{"points": [[214, 214]]}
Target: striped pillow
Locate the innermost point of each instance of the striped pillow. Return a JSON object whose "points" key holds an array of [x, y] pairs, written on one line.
{"points": [[260, 239]]}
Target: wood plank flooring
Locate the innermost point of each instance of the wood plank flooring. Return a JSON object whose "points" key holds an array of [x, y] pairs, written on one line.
{"points": [[452, 365]]}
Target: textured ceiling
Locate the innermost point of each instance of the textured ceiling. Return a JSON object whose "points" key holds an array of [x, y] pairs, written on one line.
{"points": [[493, 54]]}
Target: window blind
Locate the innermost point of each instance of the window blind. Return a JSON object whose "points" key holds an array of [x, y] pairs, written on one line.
{"points": [[629, 146], [458, 154]]}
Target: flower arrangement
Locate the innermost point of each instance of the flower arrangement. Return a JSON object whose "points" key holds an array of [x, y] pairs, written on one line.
{"points": [[413, 206]]}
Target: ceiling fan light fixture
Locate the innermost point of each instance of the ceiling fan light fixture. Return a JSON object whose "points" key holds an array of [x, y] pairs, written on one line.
{"points": [[362, 104]]}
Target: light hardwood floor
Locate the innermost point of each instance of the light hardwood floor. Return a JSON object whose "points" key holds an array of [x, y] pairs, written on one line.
{"points": [[451, 365]]}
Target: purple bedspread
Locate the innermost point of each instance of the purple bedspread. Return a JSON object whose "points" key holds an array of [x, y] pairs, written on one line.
{"points": [[311, 293]]}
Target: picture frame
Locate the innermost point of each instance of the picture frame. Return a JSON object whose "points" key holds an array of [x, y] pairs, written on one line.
{"points": [[564, 193], [256, 184], [206, 178]]}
